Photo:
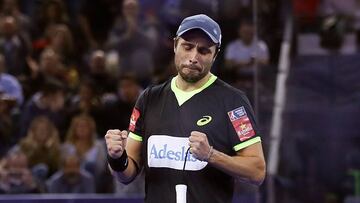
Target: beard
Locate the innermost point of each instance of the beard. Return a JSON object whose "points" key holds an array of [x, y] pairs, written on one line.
{"points": [[193, 73]]}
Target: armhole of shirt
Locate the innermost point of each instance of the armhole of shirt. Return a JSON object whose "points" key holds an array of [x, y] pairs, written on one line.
{"points": [[247, 143], [135, 137]]}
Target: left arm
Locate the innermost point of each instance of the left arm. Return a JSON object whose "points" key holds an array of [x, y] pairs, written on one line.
{"points": [[248, 163]]}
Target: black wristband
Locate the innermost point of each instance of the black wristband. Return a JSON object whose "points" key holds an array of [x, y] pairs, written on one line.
{"points": [[118, 164]]}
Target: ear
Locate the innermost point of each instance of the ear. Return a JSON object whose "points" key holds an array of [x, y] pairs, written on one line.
{"points": [[175, 43], [216, 54]]}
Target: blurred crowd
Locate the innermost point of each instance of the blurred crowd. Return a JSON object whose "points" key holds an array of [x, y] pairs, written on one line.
{"points": [[70, 70]]}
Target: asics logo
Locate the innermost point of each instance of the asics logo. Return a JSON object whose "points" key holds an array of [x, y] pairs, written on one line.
{"points": [[204, 120]]}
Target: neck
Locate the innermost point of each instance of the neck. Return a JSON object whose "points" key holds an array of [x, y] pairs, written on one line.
{"points": [[187, 86]]}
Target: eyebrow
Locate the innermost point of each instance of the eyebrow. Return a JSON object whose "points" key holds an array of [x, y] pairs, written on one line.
{"points": [[195, 44]]}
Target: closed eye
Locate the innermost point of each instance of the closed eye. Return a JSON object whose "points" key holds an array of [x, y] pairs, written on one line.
{"points": [[187, 46], [204, 50]]}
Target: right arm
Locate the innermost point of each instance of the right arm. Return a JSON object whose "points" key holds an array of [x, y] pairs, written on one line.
{"points": [[85, 26], [116, 143]]}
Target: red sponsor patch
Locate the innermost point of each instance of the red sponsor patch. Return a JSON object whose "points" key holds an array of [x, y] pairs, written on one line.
{"points": [[241, 124], [133, 119]]}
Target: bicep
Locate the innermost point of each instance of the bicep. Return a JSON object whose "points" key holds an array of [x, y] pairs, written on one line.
{"points": [[254, 150]]}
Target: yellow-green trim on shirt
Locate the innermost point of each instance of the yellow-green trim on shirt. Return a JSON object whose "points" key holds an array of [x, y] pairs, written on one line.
{"points": [[135, 137], [247, 143], [183, 96]]}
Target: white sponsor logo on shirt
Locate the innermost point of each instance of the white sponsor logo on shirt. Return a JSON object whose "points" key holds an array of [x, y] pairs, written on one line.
{"points": [[170, 152]]}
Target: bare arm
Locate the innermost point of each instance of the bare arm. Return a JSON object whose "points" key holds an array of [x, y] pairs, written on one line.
{"points": [[133, 150], [85, 26], [115, 144], [248, 164]]}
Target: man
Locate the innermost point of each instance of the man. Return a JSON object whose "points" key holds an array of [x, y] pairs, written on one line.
{"points": [[11, 99], [71, 179], [48, 101], [241, 53], [104, 80], [129, 31], [194, 111], [10, 87], [16, 177], [14, 45], [118, 107]]}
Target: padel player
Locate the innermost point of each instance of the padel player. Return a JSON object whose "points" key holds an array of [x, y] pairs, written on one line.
{"points": [[194, 110]]}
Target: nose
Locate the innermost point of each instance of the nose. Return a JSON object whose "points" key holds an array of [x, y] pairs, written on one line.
{"points": [[193, 57]]}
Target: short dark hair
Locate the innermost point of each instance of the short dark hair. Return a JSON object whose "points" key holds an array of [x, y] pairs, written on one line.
{"points": [[52, 86], [246, 21], [129, 77]]}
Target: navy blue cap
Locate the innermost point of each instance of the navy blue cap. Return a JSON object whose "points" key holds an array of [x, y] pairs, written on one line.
{"points": [[204, 23]]}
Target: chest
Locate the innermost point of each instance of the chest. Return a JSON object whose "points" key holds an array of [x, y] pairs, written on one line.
{"points": [[201, 113]]}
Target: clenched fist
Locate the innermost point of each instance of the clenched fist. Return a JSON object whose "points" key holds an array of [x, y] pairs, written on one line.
{"points": [[116, 142], [199, 146]]}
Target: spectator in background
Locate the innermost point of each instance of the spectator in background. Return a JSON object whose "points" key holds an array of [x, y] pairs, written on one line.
{"points": [[98, 73], [49, 13], [230, 12], [57, 37], [118, 108], [3, 174], [86, 101], [50, 67], [241, 54], [193, 7], [11, 99], [82, 140], [332, 7], [11, 8], [49, 102], [71, 178], [7, 125], [9, 85], [171, 13], [161, 43], [61, 42], [116, 114], [14, 46], [95, 20], [15, 175], [42, 147], [128, 38]]}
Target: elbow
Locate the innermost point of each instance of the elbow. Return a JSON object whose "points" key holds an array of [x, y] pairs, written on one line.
{"points": [[122, 178], [126, 182], [259, 174]]}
